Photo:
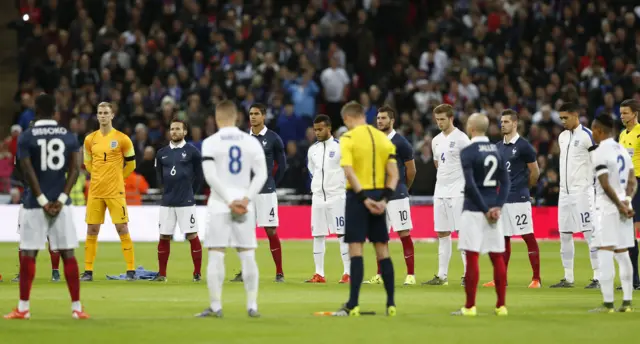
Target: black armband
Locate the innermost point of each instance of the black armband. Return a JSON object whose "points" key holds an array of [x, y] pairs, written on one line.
{"points": [[130, 158], [387, 193], [361, 196]]}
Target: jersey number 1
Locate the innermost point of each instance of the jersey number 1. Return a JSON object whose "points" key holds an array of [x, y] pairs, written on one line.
{"points": [[235, 164], [51, 154]]}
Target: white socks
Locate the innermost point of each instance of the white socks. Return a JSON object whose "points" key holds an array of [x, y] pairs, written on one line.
{"points": [[444, 256], [250, 275], [23, 306], [593, 255], [318, 254], [566, 252], [463, 255], [344, 252], [607, 273], [215, 278], [77, 306], [626, 274]]}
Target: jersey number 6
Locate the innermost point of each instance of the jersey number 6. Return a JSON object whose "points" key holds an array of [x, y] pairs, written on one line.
{"points": [[235, 164]]}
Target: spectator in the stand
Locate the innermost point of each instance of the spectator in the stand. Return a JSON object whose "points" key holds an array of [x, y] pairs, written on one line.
{"points": [[303, 92], [135, 187], [15, 196], [335, 82], [425, 181], [140, 141], [12, 140], [147, 167], [28, 113], [77, 191], [290, 125], [296, 175], [196, 137]]}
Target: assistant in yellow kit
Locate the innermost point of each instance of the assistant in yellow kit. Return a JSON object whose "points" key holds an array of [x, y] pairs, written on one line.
{"points": [[109, 157], [630, 139]]}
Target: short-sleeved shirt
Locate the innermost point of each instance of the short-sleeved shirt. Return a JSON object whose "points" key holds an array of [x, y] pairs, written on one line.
{"points": [[517, 154], [367, 150], [49, 146], [404, 153], [446, 151], [630, 140], [107, 155]]}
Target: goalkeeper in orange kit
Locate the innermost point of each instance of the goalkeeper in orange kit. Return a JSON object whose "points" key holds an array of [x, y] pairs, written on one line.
{"points": [[109, 157]]}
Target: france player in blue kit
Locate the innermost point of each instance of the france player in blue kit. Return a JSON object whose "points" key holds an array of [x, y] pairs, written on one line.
{"points": [[179, 167], [486, 190], [266, 203], [399, 208], [50, 161], [517, 219]]}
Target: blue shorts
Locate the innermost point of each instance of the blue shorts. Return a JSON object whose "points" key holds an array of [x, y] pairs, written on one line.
{"points": [[635, 203], [360, 224]]}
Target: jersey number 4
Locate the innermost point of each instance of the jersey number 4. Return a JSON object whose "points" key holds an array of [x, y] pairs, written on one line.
{"points": [[235, 164], [490, 162], [51, 154]]}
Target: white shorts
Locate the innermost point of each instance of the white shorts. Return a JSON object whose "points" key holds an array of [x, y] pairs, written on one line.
{"points": [[399, 215], [446, 213], [222, 231], [613, 230], [478, 235], [36, 227], [184, 217], [20, 216], [516, 219], [575, 213], [266, 206], [327, 217]]}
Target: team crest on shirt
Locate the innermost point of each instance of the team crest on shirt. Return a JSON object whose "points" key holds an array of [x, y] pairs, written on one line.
{"points": [[452, 144], [264, 143], [184, 155], [332, 154], [576, 143], [114, 144], [514, 151]]}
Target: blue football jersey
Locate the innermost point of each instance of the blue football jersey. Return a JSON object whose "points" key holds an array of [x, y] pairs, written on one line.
{"points": [[404, 153], [180, 171], [274, 153], [49, 146], [517, 154], [485, 174]]}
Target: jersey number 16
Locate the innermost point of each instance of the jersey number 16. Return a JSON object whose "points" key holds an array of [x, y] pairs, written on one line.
{"points": [[51, 154]]}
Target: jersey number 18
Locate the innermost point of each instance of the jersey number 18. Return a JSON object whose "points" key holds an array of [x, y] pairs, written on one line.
{"points": [[51, 154]]}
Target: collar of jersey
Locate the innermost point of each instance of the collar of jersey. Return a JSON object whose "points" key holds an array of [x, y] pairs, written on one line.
{"points": [[179, 145], [43, 122], [480, 139], [513, 140], [261, 133], [392, 134], [607, 140]]}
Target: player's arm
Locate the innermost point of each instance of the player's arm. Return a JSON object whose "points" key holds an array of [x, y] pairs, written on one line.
{"points": [[346, 162], [603, 178], [433, 152], [73, 173], [470, 183], [198, 174], [532, 164], [504, 182], [29, 175], [158, 165], [409, 163], [391, 170], [632, 185], [211, 173], [281, 159], [87, 154], [260, 173], [310, 166], [129, 156]]}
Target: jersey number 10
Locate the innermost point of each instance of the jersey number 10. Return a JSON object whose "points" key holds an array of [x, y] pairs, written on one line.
{"points": [[235, 164], [51, 154]]}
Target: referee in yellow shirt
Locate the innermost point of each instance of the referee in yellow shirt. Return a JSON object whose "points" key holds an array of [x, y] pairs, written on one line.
{"points": [[368, 160], [630, 139]]}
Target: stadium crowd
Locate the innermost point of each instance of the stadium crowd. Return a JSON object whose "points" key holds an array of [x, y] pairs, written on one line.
{"points": [[159, 59]]}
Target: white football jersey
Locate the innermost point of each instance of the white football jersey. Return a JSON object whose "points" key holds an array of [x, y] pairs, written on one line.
{"points": [[611, 158], [235, 155], [576, 169], [446, 151], [327, 176]]}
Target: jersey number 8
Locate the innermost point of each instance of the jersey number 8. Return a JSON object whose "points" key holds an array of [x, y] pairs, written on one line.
{"points": [[235, 164], [51, 154]]}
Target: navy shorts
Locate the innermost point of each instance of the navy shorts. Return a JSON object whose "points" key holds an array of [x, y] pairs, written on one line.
{"points": [[635, 203], [360, 224]]}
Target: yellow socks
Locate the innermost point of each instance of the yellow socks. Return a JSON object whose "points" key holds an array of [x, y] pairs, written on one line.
{"points": [[90, 250], [127, 251]]}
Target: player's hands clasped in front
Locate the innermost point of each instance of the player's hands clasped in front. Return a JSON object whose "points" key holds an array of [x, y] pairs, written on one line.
{"points": [[53, 208], [625, 210], [493, 215], [375, 207], [239, 206]]}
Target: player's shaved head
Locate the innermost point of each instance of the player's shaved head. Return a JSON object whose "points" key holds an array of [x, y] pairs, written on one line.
{"points": [[45, 106], [478, 124]]}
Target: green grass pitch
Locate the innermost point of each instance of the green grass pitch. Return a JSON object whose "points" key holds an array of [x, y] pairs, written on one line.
{"points": [[144, 312]]}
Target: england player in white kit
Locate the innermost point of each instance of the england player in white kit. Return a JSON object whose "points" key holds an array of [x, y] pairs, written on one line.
{"points": [[229, 158], [328, 188], [575, 204], [614, 233], [449, 193]]}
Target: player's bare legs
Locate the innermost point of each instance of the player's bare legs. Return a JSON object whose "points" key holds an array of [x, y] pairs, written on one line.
{"points": [[91, 248], [27, 273], [164, 250], [216, 277]]}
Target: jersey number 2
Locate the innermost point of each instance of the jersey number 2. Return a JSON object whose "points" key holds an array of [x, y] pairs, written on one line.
{"points": [[235, 164], [621, 169], [492, 163], [51, 154]]}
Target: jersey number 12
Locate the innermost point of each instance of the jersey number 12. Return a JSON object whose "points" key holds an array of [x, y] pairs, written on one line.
{"points": [[51, 154]]}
